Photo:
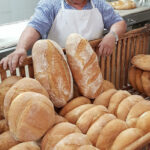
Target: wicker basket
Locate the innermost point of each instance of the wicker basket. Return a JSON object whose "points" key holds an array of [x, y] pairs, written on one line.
{"points": [[114, 68]]}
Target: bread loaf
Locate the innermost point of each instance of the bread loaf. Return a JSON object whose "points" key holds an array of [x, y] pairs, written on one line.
{"points": [[59, 119], [30, 116], [108, 85], [52, 71], [87, 147], [7, 141], [26, 146], [84, 65], [3, 126], [56, 134], [73, 104], [141, 61], [4, 87], [23, 85]]}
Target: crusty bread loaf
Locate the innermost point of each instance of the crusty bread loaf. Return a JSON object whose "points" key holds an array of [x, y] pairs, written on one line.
{"points": [[107, 85], [87, 147], [89, 116], [141, 61], [4, 87], [3, 126], [131, 76], [146, 82], [57, 133], [73, 115], [72, 142], [26, 146], [116, 99], [30, 116], [97, 126], [143, 122], [121, 4], [84, 65], [126, 104], [127, 137], [7, 141], [104, 98], [52, 71], [73, 104], [23, 85], [109, 133]]}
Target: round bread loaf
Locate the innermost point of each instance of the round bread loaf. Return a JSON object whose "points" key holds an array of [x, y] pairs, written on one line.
{"points": [[56, 134], [126, 104], [104, 98], [26, 146], [73, 104], [30, 116], [23, 85], [84, 65], [107, 85], [7, 141], [126, 137], [109, 133], [87, 147], [146, 82], [95, 129], [72, 142], [141, 61], [73, 115], [3, 126], [4, 87], [88, 117], [116, 99], [52, 71]]}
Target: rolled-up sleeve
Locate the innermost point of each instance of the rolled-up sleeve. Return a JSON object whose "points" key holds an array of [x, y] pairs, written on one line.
{"points": [[43, 18]]}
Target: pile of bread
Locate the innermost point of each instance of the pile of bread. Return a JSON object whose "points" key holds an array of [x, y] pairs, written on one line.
{"points": [[27, 106], [139, 73], [123, 4]]}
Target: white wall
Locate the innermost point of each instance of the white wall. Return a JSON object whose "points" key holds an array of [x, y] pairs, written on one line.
{"points": [[15, 10]]}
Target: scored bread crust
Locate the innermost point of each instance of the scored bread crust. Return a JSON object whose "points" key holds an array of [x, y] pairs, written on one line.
{"points": [[84, 65], [52, 71]]}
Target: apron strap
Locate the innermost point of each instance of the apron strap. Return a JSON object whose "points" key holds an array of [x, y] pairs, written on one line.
{"points": [[92, 4]]}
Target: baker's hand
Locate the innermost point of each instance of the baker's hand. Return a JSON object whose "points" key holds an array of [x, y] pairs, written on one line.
{"points": [[13, 59], [107, 45]]}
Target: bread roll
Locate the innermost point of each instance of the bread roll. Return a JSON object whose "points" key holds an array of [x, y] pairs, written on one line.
{"points": [[141, 61], [7, 141], [73, 104], [59, 119], [3, 126], [84, 65], [4, 87], [127, 137], [97, 126], [146, 82], [143, 122], [108, 85], [23, 85], [30, 116], [88, 117], [104, 98], [26, 146], [72, 142], [109, 133], [116, 99], [126, 104], [136, 111], [87, 147], [73, 115], [52, 71], [131, 77], [57, 133]]}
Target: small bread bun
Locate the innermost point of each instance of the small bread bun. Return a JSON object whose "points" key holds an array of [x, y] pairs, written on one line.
{"points": [[58, 132], [59, 119], [87, 147], [73, 104], [3, 126], [109, 133], [104, 98], [107, 85]]}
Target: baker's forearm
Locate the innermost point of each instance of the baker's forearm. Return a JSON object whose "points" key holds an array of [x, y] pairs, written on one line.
{"points": [[28, 38], [119, 28]]}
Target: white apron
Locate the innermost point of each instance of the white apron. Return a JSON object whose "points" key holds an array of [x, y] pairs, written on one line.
{"points": [[87, 23]]}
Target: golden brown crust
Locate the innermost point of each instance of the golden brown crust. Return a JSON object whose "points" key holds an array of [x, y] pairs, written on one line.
{"points": [[87, 147], [141, 61], [59, 119], [107, 85], [84, 65], [30, 116], [52, 71], [3, 126]]}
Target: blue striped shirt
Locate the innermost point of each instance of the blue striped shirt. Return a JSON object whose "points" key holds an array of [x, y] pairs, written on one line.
{"points": [[47, 10]]}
